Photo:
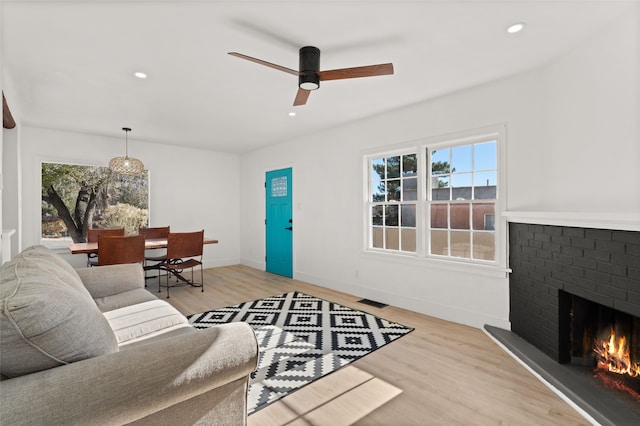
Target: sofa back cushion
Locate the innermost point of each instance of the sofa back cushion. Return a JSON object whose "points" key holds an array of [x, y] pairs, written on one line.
{"points": [[47, 317]]}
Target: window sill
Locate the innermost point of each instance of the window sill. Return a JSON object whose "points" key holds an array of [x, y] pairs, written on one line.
{"points": [[491, 270]]}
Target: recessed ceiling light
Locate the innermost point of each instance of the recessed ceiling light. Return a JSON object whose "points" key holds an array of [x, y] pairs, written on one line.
{"points": [[292, 114], [140, 74], [516, 28]]}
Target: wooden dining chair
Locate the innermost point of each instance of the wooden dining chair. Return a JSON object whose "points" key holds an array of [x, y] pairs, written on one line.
{"points": [[184, 251], [154, 260], [113, 250], [92, 237], [156, 232]]}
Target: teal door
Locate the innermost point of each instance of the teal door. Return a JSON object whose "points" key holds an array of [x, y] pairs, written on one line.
{"points": [[279, 223]]}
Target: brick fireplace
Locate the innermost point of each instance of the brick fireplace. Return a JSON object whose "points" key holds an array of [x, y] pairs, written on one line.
{"points": [[549, 262], [565, 279]]}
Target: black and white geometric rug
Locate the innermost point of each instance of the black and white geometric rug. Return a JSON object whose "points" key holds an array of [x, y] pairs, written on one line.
{"points": [[301, 339]]}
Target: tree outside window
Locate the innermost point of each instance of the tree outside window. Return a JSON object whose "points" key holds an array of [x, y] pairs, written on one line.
{"points": [[76, 198]]}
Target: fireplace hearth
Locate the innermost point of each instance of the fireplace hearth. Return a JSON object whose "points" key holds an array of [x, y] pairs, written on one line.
{"points": [[580, 388], [575, 297]]}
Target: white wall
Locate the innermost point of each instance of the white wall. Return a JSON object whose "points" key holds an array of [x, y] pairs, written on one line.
{"points": [[190, 189], [593, 114], [10, 166], [560, 120], [1, 154], [11, 195]]}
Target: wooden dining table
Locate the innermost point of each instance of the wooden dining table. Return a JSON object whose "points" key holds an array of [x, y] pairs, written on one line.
{"points": [[151, 243]]}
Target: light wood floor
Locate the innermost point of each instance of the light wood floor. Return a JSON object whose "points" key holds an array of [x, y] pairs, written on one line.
{"points": [[440, 374]]}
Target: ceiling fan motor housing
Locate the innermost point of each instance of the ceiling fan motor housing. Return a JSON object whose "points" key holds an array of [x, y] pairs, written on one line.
{"points": [[309, 67]]}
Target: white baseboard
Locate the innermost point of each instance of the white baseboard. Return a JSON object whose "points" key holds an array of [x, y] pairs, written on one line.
{"points": [[253, 264], [217, 262]]}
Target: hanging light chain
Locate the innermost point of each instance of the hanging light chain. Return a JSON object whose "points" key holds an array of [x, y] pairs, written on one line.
{"points": [[126, 141]]}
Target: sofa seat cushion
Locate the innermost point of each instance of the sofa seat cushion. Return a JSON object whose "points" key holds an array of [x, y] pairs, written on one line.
{"points": [[144, 320], [47, 318]]}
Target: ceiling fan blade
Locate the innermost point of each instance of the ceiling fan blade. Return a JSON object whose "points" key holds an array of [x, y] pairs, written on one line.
{"points": [[301, 97], [265, 63], [356, 72]]}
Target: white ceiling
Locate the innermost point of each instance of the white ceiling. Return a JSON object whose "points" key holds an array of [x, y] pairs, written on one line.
{"points": [[71, 63]]}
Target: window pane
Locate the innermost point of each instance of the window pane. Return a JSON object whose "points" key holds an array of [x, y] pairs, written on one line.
{"points": [[279, 186], [393, 167], [393, 190], [440, 185], [391, 215], [460, 244], [490, 222], [461, 186], [377, 168], [439, 244], [484, 245], [408, 217], [376, 215], [484, 185], [376, 238], [439, 217], [484, 156], [393, 238], [410, 189], [440, 162], [409, 165], [377, 190], [408, 240], [483, 216], [459, 216], [461, 159], [484, 179]]}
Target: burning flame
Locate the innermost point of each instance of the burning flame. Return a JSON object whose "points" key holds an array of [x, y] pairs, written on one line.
{"points": [[613, 355]]}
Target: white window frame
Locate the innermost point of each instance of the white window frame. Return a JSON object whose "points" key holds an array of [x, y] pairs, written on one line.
{"points": [[422, 254], [370, 203]]}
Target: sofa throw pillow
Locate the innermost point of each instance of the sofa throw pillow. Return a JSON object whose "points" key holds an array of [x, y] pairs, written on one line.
{"points": [[55, 265], [45, 320]]}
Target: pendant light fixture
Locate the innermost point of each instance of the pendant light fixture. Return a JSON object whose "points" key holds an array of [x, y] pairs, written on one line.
{"points": [[126, 165]]}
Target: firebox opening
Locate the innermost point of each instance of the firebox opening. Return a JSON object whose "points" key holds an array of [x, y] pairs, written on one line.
{"points": [[604, 342]]}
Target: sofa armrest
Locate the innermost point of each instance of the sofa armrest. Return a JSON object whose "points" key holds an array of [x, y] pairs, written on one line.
{"points": [[131, 384], [102, 281]]}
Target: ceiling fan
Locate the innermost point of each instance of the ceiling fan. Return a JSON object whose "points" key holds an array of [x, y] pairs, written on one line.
{"points": [[309, 74]]}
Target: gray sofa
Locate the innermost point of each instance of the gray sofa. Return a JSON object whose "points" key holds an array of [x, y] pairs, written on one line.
{"points": [[93, 347]]}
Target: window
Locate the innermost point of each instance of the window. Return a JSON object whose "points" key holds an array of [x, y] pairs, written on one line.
{"points": [[394, 194], [437, 200], [463, 185], [75, 197]]}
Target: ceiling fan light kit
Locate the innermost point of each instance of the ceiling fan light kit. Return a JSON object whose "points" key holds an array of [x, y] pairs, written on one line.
{"points": [[309, 74], [309, 67], [126, 165]]}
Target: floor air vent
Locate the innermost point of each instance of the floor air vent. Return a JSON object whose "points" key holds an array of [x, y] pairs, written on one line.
{"points": [[373, 303]]}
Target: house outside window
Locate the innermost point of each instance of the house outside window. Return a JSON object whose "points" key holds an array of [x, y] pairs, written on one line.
{"points": [[438, 199]]}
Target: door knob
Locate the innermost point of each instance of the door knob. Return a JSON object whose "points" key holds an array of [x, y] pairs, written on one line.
{"points": [[289, 228]]}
